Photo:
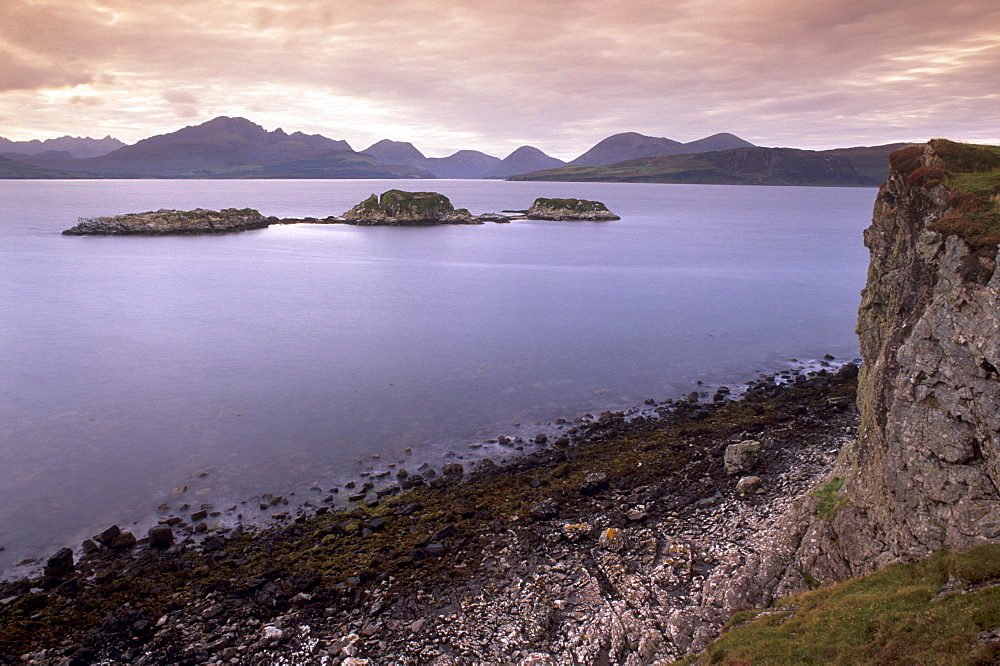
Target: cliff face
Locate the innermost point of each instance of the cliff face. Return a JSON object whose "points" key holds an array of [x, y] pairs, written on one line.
{"points": [[927, 469], [925, 472]]}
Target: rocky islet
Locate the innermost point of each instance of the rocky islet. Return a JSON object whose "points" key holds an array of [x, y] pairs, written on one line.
{"points": [[393, 208]]}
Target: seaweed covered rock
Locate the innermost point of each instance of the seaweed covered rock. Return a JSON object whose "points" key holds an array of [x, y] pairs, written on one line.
{"points": [[399, 208], [569, 209], [172, 222]]}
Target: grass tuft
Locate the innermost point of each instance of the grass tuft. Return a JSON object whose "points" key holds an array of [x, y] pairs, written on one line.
{"points": [[829, 499], [891, 616]]}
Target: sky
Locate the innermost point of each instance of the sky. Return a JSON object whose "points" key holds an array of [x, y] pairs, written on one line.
{"points": [[493, 75]]}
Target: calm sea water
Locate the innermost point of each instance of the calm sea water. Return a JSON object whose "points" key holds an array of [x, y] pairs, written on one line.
{"points": [[268, 360]]}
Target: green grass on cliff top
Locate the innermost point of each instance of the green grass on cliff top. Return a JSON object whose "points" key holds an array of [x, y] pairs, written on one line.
{"points": [[893, 616], [972, 174]]}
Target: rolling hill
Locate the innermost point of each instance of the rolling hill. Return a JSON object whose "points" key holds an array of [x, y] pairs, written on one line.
{"points": [[845, 167]]}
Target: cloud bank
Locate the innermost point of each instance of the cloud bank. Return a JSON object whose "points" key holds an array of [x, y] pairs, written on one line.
{"points": [[496, 74]]}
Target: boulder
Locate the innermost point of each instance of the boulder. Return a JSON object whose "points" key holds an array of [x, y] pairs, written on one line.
{"points": [[60, 564], [547, 508], [160, 537], [594, 483], [123, 541], [742, 456], [613, 539], [748, 485], [453, 470], [107, 536], [575, 532]]}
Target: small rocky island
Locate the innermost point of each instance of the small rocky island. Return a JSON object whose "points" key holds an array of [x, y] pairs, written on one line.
{"points": [[399, 208], [392, 208], [569, 209], [172, 222]]}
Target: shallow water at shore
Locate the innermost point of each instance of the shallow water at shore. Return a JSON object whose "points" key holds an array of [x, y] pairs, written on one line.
{"points": [[273, 359]]}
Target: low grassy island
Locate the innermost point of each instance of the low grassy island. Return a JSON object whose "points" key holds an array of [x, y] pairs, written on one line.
{"points": [[569, 209], [399, 208], [172, 222]]}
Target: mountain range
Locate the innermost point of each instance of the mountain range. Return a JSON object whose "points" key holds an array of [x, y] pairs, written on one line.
{"points": [[238, 148], [64, 146]]}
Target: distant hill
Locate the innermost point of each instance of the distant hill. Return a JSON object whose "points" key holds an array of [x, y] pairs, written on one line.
{"points": [[633, 146], [871, 162], [523, 160], [395, 152], [335, 163], [10, 170], [721, 141], [462, 164], [850, 167], [219, 143], [625, 146], [76, 147]]}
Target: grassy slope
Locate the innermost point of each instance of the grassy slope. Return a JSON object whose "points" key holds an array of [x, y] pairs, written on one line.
{"points": [[891, 616], [973, 176]]}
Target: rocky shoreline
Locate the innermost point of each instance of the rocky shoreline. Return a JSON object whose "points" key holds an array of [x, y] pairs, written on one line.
{"points": [[598, 546]]}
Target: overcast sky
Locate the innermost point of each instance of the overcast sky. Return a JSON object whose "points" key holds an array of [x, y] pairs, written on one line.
{"points": [[496, 74]]}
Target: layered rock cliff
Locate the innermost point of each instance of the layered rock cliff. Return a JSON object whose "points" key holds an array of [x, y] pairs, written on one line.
{"points": [[924, 472]]}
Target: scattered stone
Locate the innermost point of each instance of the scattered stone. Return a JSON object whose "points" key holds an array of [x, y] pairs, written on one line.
{"points": [[60, 564], [122, 541], [637, 513], [547, 508], [594, 483], [409, 509], [574, 532], [848, 371], [453, 470], [748, 485], [107, 536], [272, 635], [612, 539]]}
